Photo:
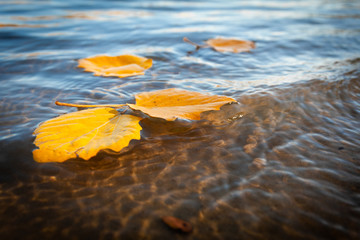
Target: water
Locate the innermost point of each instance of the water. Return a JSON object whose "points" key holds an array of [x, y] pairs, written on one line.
{"points": [[282, 164]]}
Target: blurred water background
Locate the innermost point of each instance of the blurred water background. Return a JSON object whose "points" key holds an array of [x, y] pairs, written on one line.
{"points": [[282, 164]]}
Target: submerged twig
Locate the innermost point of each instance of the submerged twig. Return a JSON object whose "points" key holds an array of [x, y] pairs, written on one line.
{"points": [[89, 106]]}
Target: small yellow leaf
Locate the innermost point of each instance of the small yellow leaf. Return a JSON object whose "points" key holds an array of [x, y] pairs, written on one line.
{"points": [[230, 45], [175, 103], [83, 134], [116, 66]]}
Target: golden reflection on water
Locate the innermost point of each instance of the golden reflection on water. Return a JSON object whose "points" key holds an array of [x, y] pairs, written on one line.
{"points": [[13, 25], [14, 2], [87, 15]]}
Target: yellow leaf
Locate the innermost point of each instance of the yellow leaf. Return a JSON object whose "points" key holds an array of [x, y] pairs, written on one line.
{"points": [[83, 134], [116, 66], [230, 45], [175, 103]]}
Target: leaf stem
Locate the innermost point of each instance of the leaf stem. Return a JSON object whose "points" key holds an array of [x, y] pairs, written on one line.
{"points": [[194, 44], [88, 106]]}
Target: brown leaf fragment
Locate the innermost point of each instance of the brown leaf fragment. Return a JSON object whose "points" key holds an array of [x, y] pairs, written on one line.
{"points": [[177, 224]]}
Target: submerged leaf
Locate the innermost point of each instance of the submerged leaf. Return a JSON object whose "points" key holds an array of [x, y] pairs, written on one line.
{"points": [[83, 134], [116, 66], [230, 45], [175, 103], [177, 224]]}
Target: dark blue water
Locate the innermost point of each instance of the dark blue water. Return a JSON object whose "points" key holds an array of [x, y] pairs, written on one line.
{"points": [[283, 164]]}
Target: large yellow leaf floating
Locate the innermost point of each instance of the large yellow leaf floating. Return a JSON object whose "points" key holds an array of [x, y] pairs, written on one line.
{"points": [[230, 45], [175, 103], [83, 134], [116, 66]]}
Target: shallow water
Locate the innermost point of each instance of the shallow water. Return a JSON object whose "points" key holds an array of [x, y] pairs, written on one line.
{"points": [[282, 164]]}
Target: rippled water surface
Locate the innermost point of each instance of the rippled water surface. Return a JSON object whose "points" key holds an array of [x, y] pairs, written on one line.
{"points": [[284, 163]]}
